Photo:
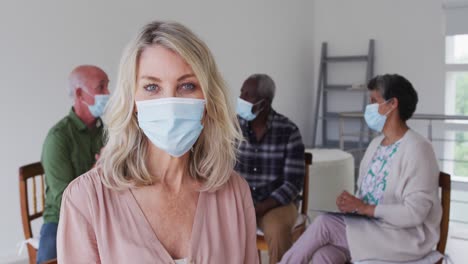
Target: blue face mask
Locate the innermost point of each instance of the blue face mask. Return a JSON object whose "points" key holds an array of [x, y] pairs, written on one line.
{"points": [[244, 109], [100, 102], [171, 124], [373, 118]]}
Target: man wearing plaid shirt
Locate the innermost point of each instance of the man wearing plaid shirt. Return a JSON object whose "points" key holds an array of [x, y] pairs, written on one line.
{"points": [[271, 159]]}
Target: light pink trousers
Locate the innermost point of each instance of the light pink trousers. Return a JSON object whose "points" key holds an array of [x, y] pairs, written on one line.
{"points": [[324, 242]]}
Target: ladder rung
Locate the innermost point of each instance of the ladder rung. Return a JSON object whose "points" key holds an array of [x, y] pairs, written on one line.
{"points": [[331, 115], [335, 115], [338, 87], [346, 58], [343, 87]]}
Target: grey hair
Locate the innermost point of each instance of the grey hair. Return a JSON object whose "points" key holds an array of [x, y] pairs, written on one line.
{"points": [[73, 83], [77, 78], [265, 86]]}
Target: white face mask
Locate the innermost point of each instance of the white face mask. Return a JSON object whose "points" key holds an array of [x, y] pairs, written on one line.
{"points": [[373, 118], [171, 124], [100, 103], [244, 109]]}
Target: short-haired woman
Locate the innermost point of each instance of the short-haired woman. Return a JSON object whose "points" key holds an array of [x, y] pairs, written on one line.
{"points": [[397, 191]]}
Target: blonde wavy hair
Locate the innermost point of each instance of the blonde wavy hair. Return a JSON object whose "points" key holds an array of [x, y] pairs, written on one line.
{"points": [[212, 159]]}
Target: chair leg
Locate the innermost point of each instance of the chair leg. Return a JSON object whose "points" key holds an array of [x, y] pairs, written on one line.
{"points": [[259, 256], [32, 254]]}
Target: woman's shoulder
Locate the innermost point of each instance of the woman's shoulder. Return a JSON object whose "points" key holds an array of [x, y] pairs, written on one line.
{"points": [[84, 188], [416, 145], [236, 184], [234, 197], [238, 180], [87, 180], [411, 138], [414, 137]]}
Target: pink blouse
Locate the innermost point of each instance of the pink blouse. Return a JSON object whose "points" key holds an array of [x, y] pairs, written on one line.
{"points": [[100, 225]]}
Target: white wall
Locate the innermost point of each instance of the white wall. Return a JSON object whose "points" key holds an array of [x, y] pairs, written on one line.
{"points": [[409, 40], [41, 41]]}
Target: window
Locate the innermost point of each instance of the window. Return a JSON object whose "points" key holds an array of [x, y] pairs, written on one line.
{"points": [[461, 154], [456, 49], [456, 61]]}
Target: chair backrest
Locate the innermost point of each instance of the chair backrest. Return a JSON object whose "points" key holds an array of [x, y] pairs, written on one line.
{"points": [[445, 185], [305, 191], [31, 174]]}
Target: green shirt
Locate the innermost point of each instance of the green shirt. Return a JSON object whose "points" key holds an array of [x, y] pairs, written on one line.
{"points": [[69, 150]]}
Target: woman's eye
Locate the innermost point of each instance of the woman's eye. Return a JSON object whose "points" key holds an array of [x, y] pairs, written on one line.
{"points": [[151, 87], [188, 86]]}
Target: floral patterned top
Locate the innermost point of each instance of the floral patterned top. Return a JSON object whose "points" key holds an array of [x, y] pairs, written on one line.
{"points": [[374, 183]]}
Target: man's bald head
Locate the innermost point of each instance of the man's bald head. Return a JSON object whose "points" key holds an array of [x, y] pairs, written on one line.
{"points": [[87, 77]]}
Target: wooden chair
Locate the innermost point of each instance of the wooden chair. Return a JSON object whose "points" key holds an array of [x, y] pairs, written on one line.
{"points": [[300, 225], [31, 174], [445, 186]]}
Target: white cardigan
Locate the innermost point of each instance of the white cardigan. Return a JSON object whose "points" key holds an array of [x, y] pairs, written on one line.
{"points": [[408, 218]]}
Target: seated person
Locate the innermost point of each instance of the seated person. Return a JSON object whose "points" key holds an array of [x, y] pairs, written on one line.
{"points": [[71, 146], [397, 191], [164, 189], [271, 159]]}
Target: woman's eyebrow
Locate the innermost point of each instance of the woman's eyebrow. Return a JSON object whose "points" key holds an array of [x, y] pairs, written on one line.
{"points": [[151, 78], [185, 76]]}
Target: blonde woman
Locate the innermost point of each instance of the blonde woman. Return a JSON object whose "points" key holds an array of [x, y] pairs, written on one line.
{"points": [[164, 190]]}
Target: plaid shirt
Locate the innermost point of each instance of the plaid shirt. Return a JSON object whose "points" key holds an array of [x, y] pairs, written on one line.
{"points": [[273, 167]]}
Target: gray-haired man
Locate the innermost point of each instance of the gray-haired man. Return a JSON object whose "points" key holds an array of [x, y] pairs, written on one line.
{"points": [[271, 159]]}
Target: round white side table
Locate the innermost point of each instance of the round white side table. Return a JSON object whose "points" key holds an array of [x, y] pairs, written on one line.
{"points": [[331, 172]]}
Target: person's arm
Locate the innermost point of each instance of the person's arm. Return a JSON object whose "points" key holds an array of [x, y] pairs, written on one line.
{"points": [[420, 178], [58, 168], [293, 174], [76, 240]]}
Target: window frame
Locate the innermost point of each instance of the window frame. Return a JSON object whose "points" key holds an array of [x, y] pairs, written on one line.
{"points": [[451, 68]]}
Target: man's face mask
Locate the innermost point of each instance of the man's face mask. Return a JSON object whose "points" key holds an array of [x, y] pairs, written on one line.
{"points": [[100, 102], [244, 109]]}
